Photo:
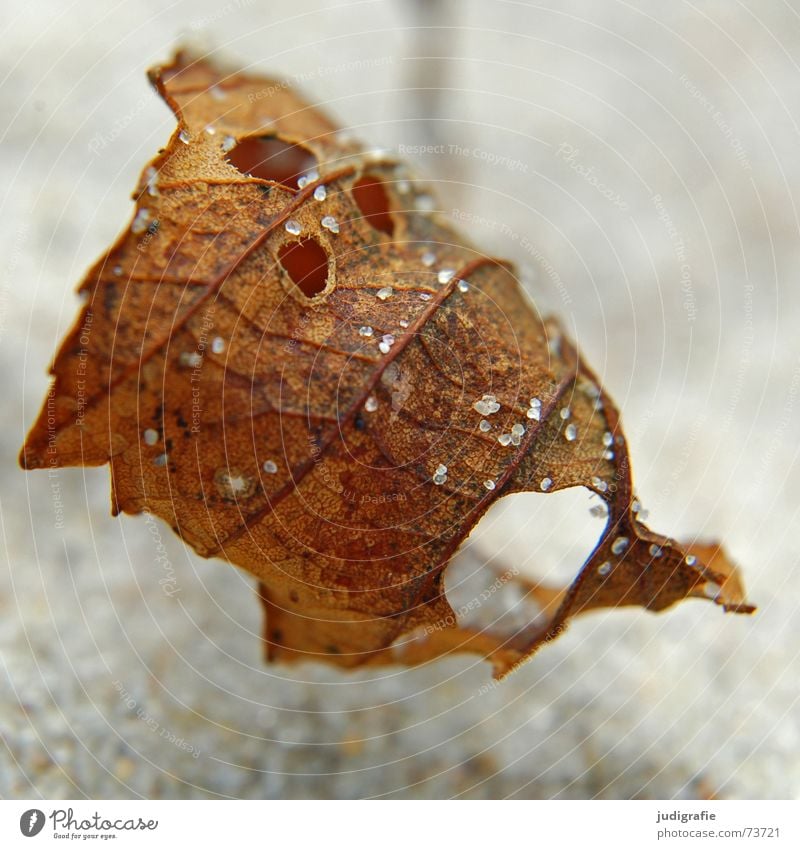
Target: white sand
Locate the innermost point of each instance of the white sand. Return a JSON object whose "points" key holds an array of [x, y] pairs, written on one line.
{"points": [[112, 689]]}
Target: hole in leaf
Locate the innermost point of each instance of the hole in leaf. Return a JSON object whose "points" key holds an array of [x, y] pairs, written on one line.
{"points": [[543, 537], [307, 264], [269, 158], [373, 201]]}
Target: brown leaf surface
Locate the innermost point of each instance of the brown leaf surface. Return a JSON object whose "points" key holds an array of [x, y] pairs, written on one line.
{"points": [[282, 373]]}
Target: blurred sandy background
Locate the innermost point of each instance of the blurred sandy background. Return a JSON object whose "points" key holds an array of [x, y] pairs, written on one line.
{"points": [[640, 162]]}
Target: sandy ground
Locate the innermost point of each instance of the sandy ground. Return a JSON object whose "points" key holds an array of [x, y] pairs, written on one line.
{"points": [[640, 162]]}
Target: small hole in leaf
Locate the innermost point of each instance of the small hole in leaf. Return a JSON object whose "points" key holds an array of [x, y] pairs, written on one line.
{"points": [[307, 264], [269, 158], [373, 201]]}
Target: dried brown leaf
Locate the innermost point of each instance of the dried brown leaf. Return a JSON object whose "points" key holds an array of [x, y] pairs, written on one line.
{"points": [[282, 373]]}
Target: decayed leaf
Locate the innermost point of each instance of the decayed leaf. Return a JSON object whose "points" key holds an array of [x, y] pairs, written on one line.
{"points": [[305, 371]]}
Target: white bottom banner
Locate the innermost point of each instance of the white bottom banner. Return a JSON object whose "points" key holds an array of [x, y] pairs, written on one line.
{"points": [[385, 824]]}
